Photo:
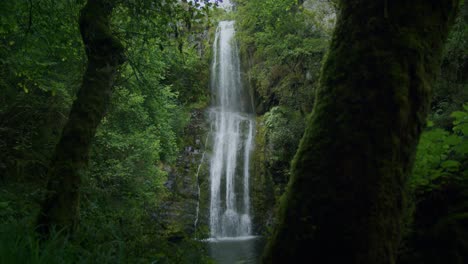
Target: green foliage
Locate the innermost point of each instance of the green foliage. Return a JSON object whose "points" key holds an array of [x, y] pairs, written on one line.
{"points": [[19, 245], [441, 154], [41, 65], [451, 89], [439, 183], [438, 192], [283, 129], [284, 42], [102, 242], [140, 136], [39, 48]]}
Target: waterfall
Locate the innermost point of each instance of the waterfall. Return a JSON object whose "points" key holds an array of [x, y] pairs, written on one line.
{"points": [[233, 127]]}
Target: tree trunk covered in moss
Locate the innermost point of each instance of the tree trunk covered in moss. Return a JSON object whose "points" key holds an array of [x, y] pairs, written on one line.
{"points": [[60, 208], [345, 198]]}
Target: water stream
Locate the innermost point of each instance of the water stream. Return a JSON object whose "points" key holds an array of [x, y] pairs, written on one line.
{"points": [[233, 139], [233, 126]]}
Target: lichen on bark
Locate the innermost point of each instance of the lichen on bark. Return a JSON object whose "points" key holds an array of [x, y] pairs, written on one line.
{"points": [[345, 198]]}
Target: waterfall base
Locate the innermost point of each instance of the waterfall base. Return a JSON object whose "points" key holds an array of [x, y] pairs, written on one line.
{"points": [[231, 250]]}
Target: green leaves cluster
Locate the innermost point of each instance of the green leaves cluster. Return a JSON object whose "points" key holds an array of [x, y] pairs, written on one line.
{"points": [[283, 132], [39, 47], [438, 192], [41, 64], [284, 41], [442, 154], [140, 137]]}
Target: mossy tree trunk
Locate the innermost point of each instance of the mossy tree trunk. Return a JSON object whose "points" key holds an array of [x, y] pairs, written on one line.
{"points": [[345, 198], [60, 208]]}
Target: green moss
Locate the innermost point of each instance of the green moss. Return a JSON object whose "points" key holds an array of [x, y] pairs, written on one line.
{"points": [[345, 198], [262, 193]]}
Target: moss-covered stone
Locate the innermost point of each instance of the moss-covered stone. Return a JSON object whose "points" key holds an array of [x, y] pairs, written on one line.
{"points": [[262, 190], [179, 210], [345, 197]]}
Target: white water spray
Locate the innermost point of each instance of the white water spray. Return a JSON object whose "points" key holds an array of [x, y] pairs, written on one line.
{"points": [[233, 126]]}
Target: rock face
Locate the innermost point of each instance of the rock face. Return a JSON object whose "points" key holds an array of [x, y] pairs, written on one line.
{"points": [[325, 11], [182, 213], [262, 191]]}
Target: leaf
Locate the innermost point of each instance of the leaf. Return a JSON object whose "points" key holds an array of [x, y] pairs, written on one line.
{"points": [[451, 165], [462, 148], [4, 205], [453, 140], [462, 127], [459, 117]]}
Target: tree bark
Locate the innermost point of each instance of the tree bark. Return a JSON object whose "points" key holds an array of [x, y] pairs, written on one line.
{"points": [[60, 209], [345, 198]]}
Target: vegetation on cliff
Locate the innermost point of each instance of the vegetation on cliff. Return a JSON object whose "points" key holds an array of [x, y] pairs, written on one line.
{"points": [[282, 45]]}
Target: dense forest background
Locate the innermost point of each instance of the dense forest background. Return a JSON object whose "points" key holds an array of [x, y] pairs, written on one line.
{"points": [[164, 80], [138, 195]]}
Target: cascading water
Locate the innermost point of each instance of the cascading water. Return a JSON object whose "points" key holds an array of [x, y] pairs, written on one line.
{"points": [[233, 127]]}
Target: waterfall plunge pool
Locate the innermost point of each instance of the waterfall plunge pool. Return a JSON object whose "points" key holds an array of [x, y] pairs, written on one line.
{"points": [[236, 250]]}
